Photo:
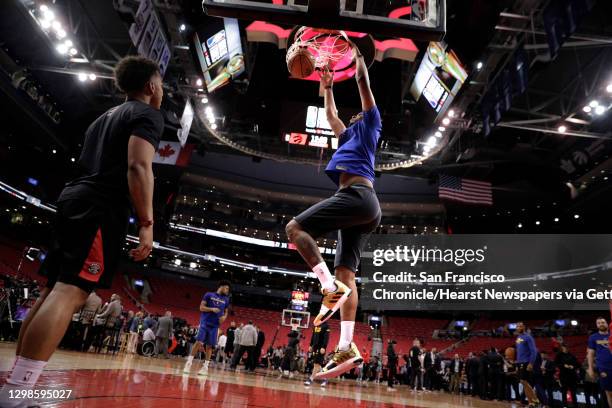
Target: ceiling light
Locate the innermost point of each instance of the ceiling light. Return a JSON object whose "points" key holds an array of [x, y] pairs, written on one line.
{"points": [[431, 141], [479, 65], [446, 121], [438, 134], [520, 225], [594, 104], [441, 128], [53, 151], [587, 109], [177, 262], [56, 25], [68, 43], [48, 15], [562, 129], [199, 82], [92, 77], [213, 126], [451, 113], [537, 223], [204, 100], [208, 111], [82, 77], [609, 88], [182, 27], [44, 8], [599, 110], [576, 216], [192, 265], [556, 219], [61, 34], [62, 49], [73, 51], [45, 24], [72, 159]]}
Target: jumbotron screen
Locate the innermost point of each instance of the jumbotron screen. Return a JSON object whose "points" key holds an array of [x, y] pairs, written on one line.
{"points": [[299, 300]]}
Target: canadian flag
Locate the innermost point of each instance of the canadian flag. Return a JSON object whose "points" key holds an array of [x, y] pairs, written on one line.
{"points": [[172, 153]]}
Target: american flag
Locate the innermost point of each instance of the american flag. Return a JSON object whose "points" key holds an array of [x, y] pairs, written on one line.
{"points": [[465, 190]]}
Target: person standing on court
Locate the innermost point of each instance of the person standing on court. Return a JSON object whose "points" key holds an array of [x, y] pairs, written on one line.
{"points": [[165, 328], [353, 211], [526, 354], [93, 210], [599, 358]]}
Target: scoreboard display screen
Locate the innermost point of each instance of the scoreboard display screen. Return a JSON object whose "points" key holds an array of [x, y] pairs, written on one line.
{"points": [[299, 300]]}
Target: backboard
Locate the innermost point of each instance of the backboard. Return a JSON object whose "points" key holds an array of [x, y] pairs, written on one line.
{"points": [[415, 19], [294, 318]]}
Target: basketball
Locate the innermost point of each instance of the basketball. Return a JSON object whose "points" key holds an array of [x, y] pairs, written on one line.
{"points": [[510, 353], [300, 62]]}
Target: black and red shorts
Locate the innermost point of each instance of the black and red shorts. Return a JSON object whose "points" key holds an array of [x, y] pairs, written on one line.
{"points": [[87, 245]]}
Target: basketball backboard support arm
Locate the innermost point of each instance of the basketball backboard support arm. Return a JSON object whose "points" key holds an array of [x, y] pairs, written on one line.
{"points": [[292, 14]]}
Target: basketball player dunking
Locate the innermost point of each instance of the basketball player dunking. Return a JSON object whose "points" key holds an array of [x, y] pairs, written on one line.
{"points": [[213, 310], [353, 211]]}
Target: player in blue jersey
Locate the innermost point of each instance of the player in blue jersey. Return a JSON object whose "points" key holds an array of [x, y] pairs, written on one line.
{"points": [[526, 355], [213, 310], [353, 211], [599, 357]]}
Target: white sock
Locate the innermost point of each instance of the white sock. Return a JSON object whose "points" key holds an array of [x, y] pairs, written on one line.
{"points": [[24, 376], [189, 360], [26, 372], [206, 363], [325, 277], [347, 328]]}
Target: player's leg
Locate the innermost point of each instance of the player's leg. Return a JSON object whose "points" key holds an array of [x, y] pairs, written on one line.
{"points": [[210, 342], [349, 207], [86, 238], [326, 216], [194, 350], [26, 322]]}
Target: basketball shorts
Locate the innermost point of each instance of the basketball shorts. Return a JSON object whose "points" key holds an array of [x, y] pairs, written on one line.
{"points": [[354, 212], [524, 374], [86, 246], [605, 380], [319, 358], [208, 335]]}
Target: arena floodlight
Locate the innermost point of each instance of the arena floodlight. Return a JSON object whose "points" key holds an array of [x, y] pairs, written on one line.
{"points": [[574, 323], [599, 110], [562, 129]]}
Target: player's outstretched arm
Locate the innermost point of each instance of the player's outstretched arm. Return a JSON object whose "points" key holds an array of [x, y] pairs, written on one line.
{"points": [[363, 81], [327, 82]]}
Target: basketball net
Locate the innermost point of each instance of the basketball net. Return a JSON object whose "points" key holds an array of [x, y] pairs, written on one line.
{"points": [[326, 46]]}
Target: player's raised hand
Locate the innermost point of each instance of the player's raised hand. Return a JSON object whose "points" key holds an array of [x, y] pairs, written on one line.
{"points": [[327, 78]]}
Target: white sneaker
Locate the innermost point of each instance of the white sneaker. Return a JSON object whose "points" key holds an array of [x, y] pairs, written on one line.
{"points": [[203, 370], [187, 368]]}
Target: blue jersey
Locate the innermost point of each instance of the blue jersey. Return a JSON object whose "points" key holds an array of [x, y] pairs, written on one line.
{"points": [[357, 148], [600, 344], [526, 351], [213, 299]]}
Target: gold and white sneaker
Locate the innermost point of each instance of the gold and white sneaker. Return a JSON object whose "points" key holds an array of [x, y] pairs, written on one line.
{"points": [[341, 362], [332, 301]]}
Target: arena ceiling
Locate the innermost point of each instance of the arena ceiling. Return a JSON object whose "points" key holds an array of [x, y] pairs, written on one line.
{"points": [[524, 156]]}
